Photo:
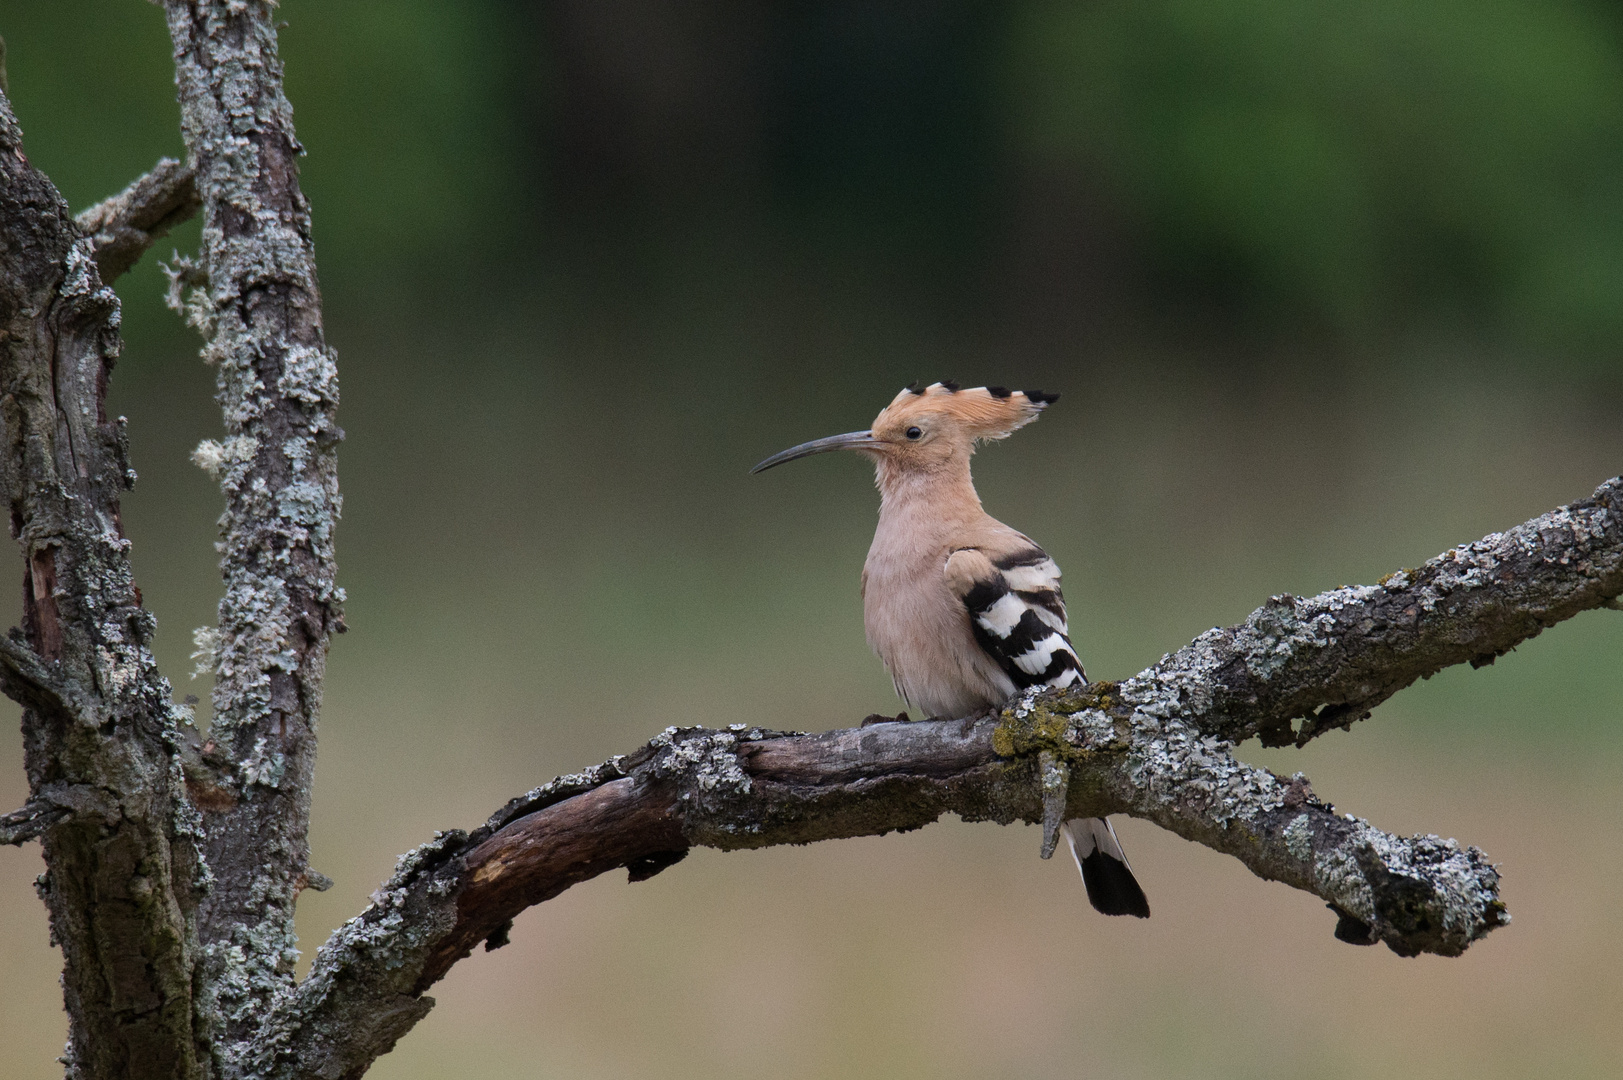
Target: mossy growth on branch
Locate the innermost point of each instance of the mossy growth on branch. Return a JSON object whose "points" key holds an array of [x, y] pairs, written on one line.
{"points": [[1074, 723]]}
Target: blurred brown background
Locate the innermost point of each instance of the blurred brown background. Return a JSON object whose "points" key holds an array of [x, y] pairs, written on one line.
{"points": [[1326, 289]]}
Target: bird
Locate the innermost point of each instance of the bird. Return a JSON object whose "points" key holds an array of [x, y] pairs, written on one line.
{"points": [[965, 611]]}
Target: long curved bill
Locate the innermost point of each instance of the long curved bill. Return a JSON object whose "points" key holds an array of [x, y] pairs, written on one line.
{"points": [[852, 440]]}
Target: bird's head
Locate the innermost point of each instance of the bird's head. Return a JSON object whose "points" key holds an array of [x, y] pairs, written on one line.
{"points": [[928, 428]]}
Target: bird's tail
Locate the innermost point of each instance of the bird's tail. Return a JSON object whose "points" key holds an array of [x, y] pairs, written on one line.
{"points": [[1112, 888]]}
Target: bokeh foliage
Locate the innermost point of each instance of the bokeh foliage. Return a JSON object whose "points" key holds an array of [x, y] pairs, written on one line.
{"points": [[1348, 168], [1353, 162]]}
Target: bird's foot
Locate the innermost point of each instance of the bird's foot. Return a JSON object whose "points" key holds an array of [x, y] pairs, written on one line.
{"points": [[881, 718]]}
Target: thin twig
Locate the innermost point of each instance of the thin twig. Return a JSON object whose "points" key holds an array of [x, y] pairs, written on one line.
{"points": [[121, 228]]}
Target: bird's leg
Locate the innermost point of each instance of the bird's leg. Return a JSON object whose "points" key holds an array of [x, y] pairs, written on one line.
{"points": [[1056, 785], [880, 718]]}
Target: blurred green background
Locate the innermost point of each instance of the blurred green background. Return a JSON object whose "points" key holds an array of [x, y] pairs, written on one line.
{"points": [[1327, 288]]}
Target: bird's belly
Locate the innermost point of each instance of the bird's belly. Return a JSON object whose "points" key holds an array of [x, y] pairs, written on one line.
{"points": [[921, 631]]}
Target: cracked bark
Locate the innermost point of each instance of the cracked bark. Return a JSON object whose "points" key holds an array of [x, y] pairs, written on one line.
{"points": [[172, 870], [101, 737]]}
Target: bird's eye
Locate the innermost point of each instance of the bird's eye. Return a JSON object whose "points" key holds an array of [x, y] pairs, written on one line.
{"points": [[914, 433]]}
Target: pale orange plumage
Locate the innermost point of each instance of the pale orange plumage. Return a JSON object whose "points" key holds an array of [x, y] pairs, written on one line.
{"points": [[964, 610]]}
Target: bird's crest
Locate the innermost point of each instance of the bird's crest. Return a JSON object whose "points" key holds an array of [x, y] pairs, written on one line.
{"points": [[983, 412]]}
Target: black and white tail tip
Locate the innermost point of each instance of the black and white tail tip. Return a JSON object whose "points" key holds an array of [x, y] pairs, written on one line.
{"points": [[1112, 889]]}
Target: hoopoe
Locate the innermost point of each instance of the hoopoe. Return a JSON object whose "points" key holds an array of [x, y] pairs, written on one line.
{"points": [[965, 611]]}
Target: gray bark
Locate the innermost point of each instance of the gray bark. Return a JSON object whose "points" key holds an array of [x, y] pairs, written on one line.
{"points": [[173, 868], [124, 226], [255, 299]]}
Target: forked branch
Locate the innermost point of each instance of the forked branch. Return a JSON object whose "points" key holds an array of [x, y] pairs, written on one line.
{"points": [[1157, 746]]}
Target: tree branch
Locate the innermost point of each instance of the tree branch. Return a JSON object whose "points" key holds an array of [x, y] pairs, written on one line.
{"points": [[25, 824], [1333, 657], [258, 307], [27, 680], [1156, 746], [53, 803], [123, 227]]}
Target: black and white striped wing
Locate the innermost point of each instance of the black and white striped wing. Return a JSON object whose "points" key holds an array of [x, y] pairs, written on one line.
{"points": [[1017, 613]]}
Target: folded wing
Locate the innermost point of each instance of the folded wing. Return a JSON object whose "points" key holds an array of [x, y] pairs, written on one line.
{"points": [[1017, 613]]}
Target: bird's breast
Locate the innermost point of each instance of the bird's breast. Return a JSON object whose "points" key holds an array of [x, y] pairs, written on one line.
{"points": [[922, 632]]}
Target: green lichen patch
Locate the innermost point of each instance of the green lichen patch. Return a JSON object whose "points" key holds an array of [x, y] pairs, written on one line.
{"points": [[1073, 723]]}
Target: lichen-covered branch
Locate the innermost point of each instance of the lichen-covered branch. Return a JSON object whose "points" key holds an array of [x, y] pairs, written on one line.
{"points": [[1157, 746], [123, 227], [255, 300], [1331, 658], [755, 788], [1417, 894], [101, 737], [29, 680]]}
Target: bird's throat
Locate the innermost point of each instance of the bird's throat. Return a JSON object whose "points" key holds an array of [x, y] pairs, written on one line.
{"points": [[940, 493]]}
